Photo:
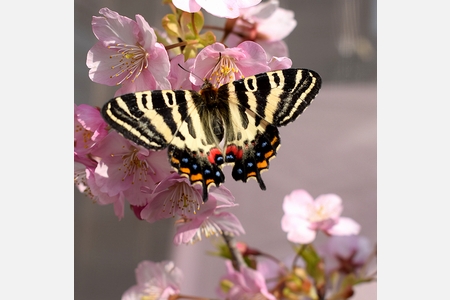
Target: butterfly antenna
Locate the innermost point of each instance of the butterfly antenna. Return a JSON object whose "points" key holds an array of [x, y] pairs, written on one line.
{"points": [[209, 76], [183, 68]]}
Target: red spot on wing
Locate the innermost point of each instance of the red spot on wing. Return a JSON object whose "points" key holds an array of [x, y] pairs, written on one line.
{"points": [[213, 154], [235, 150]]}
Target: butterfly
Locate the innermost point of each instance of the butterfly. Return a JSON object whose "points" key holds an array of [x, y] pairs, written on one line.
{"points": [[235, 123]]}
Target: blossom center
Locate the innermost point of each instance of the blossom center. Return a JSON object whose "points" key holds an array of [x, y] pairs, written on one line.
{"points": [[81, 183], [225, 71], [182, 200], [152, 291], [129, 61], [86, 135], [318, 214], [133, 166]]}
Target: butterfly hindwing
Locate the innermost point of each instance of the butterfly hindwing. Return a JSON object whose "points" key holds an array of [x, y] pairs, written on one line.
{"points": [[234, 124]]}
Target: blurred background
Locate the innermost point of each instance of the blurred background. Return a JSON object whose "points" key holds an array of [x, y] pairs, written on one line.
{"points": [[331, 148]]}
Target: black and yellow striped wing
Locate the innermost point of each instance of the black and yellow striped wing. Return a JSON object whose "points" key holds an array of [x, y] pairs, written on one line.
{"points": [[234, 124]]}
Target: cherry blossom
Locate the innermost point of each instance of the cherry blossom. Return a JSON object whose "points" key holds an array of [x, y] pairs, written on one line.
{"points": [[124, 167], [210, 220], [345, 254], [221, 65], [243, 284], [90, 128], [127, 54], [85, 182], [155, 281], [176, 197], [266, 24], [304, 216], [218, 8]]}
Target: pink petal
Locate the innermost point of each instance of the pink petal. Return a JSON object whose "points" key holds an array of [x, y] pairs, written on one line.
{"points": [[261, 11], [253, 50], [90, 118], [223, 196], [297, 203], [247, 3], [344, 226], [100, 65], [280, 63], [187, 5], [279, 49], [147, 34], [160, 66], [145, 82], [298, 230], [220, 8], [228, 222], [185, 232], [331, 204], [119, 205], [226, 8], [179, 79], [114, 28], [279, 25]]}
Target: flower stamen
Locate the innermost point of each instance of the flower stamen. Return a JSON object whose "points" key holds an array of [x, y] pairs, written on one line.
{"points": [[225, 71], [181, 200], [135, 167], [87, 135], [131, 59]]}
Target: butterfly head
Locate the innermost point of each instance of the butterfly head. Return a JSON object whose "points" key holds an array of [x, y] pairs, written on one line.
{"points": [[208, 92]]}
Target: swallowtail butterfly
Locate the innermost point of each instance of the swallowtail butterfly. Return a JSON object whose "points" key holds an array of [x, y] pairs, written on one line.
{"points": [[233, 124]]}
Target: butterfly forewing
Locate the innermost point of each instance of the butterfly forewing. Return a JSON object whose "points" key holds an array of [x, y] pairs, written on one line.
{"points": [[236, 124], [279, 97], [150, 119]]}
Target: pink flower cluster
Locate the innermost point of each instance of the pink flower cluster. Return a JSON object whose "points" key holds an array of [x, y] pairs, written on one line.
{"points": [[113, 170], [342, 254], [127, 54]]}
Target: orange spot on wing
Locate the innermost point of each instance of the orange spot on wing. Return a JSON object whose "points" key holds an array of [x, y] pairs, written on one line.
{"points": [[262, 165], [268, 154], [274, 140], [196, 177], [185, 170]]}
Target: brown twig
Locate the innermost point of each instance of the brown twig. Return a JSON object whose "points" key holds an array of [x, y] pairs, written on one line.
{"points": [[236, 257]]}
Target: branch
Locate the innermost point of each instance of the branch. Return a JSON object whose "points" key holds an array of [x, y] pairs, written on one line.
{"points": [[236, 256]]}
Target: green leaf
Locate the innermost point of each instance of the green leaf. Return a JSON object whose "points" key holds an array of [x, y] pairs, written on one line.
{"points": [[207, 38], [192, 23], [171, 26]]}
